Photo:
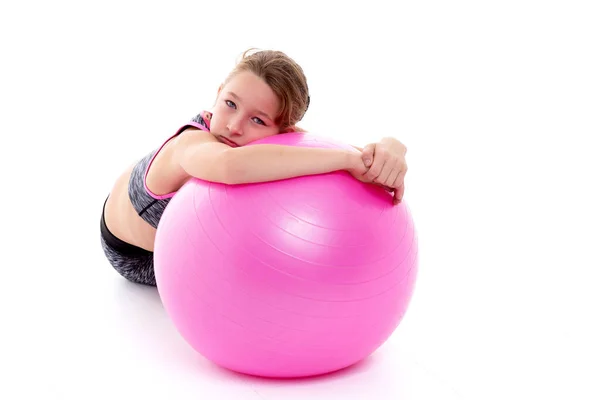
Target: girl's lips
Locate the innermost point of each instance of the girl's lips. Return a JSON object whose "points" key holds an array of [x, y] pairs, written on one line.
{"points": [[227, 141]]}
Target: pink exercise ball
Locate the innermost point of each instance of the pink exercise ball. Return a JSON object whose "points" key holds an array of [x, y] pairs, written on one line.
{"points": [[291, 278]]}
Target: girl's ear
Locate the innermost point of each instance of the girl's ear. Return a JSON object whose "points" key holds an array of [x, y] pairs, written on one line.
{"points": [[293, 128]]}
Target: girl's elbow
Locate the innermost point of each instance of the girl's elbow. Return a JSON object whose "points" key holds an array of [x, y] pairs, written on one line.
{"points": [[229, 171], [217, 170]]}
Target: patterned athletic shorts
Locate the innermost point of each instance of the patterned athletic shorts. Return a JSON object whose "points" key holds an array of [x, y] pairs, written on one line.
{"points": [[133, 263]]}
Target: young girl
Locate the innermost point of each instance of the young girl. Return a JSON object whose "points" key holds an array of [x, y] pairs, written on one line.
{"points": [[264, 95]]}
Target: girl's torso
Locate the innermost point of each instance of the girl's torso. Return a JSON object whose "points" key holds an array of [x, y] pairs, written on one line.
{"points": [[122, 219], [162, 180]]}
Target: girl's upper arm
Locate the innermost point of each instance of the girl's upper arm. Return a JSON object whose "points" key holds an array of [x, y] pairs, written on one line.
{"points": [[201, 155]]}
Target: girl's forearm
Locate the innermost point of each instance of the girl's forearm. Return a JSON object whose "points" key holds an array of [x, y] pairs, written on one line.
{"points": [[262, 163]]}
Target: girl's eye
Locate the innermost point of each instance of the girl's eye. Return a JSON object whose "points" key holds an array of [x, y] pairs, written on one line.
{"points": [[256, 120]]}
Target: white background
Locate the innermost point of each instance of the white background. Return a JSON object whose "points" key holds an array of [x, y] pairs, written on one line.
{"points": [[497, 101]]}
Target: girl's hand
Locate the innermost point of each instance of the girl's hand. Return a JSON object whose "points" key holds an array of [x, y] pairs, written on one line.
{"points": [[359, 171], [357, 168], [386, 165]]}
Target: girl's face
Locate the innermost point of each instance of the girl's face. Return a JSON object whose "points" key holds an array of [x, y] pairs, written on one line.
{"points": [[244, 111]]}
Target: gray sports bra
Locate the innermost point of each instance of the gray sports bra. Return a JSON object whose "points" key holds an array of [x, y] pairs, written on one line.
{"points": [[148, 205]]}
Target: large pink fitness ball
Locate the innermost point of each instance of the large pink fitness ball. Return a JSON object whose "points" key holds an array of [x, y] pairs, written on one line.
{"points": [[291, 278]]}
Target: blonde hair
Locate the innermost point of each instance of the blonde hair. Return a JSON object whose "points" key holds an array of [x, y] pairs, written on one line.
{"points": [[284, 76]]}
